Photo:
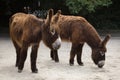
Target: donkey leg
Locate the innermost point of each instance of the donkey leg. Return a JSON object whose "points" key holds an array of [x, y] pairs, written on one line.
{"points": [[23, 55], [72, 54], [17, 52], [55, 53], [17, 56], [33, 58], [52, 54], [79, 53]]}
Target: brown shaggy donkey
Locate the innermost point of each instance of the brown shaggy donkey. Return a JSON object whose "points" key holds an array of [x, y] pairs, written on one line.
{"points": [[27, 30], [78, 30]]}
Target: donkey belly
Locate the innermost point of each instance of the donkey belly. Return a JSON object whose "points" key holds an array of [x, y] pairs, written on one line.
{"points": [[74, 36]]}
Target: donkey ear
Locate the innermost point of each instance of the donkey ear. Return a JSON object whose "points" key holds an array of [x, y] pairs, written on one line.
{"points": [[106, 40], [50, 14], [57, 15], [59, 11]]}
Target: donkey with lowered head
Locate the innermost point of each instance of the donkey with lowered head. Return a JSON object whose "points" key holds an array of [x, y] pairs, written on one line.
{"points": [[78, 31]]}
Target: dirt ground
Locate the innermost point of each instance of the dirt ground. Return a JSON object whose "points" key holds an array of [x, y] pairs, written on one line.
{"points": [[49, 70]]}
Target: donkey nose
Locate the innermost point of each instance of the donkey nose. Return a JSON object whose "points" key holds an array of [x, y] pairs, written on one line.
{"points": [[56, 45], [101, 63]]}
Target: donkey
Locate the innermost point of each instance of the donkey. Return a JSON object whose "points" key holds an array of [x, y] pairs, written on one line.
{"points": [[78, 31], [28, 30]]}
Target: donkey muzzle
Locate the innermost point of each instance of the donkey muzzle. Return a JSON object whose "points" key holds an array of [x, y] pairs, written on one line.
{"points": [[56, 45], [101, 63]]}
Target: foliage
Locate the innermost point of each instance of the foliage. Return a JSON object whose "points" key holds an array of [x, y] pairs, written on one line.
{"points": [[106, 18], [86, 6], [102, 14]]}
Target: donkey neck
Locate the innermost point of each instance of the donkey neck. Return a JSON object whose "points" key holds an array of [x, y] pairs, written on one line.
{"points": [[92, 37]]}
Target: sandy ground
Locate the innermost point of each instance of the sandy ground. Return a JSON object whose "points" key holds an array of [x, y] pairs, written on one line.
{"points": [[49, 70]]}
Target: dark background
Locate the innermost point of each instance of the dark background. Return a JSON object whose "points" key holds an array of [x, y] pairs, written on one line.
{"points": [[105, 18]]}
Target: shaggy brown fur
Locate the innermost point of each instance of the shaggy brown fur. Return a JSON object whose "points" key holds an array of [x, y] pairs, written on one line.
{"points": [[78, 30], [27, 30]]}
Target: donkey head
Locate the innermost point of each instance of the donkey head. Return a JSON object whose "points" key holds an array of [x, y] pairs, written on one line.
{"points": [[50, 37], [98, 54]]}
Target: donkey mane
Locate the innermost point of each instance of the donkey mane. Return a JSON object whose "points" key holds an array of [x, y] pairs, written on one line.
{"points": [[92, 37]]}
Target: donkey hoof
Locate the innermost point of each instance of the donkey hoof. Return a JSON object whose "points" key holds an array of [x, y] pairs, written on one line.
{"points": [[56, 61], [35, 71], [19, 70], [81, 64], [71, 64]]}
